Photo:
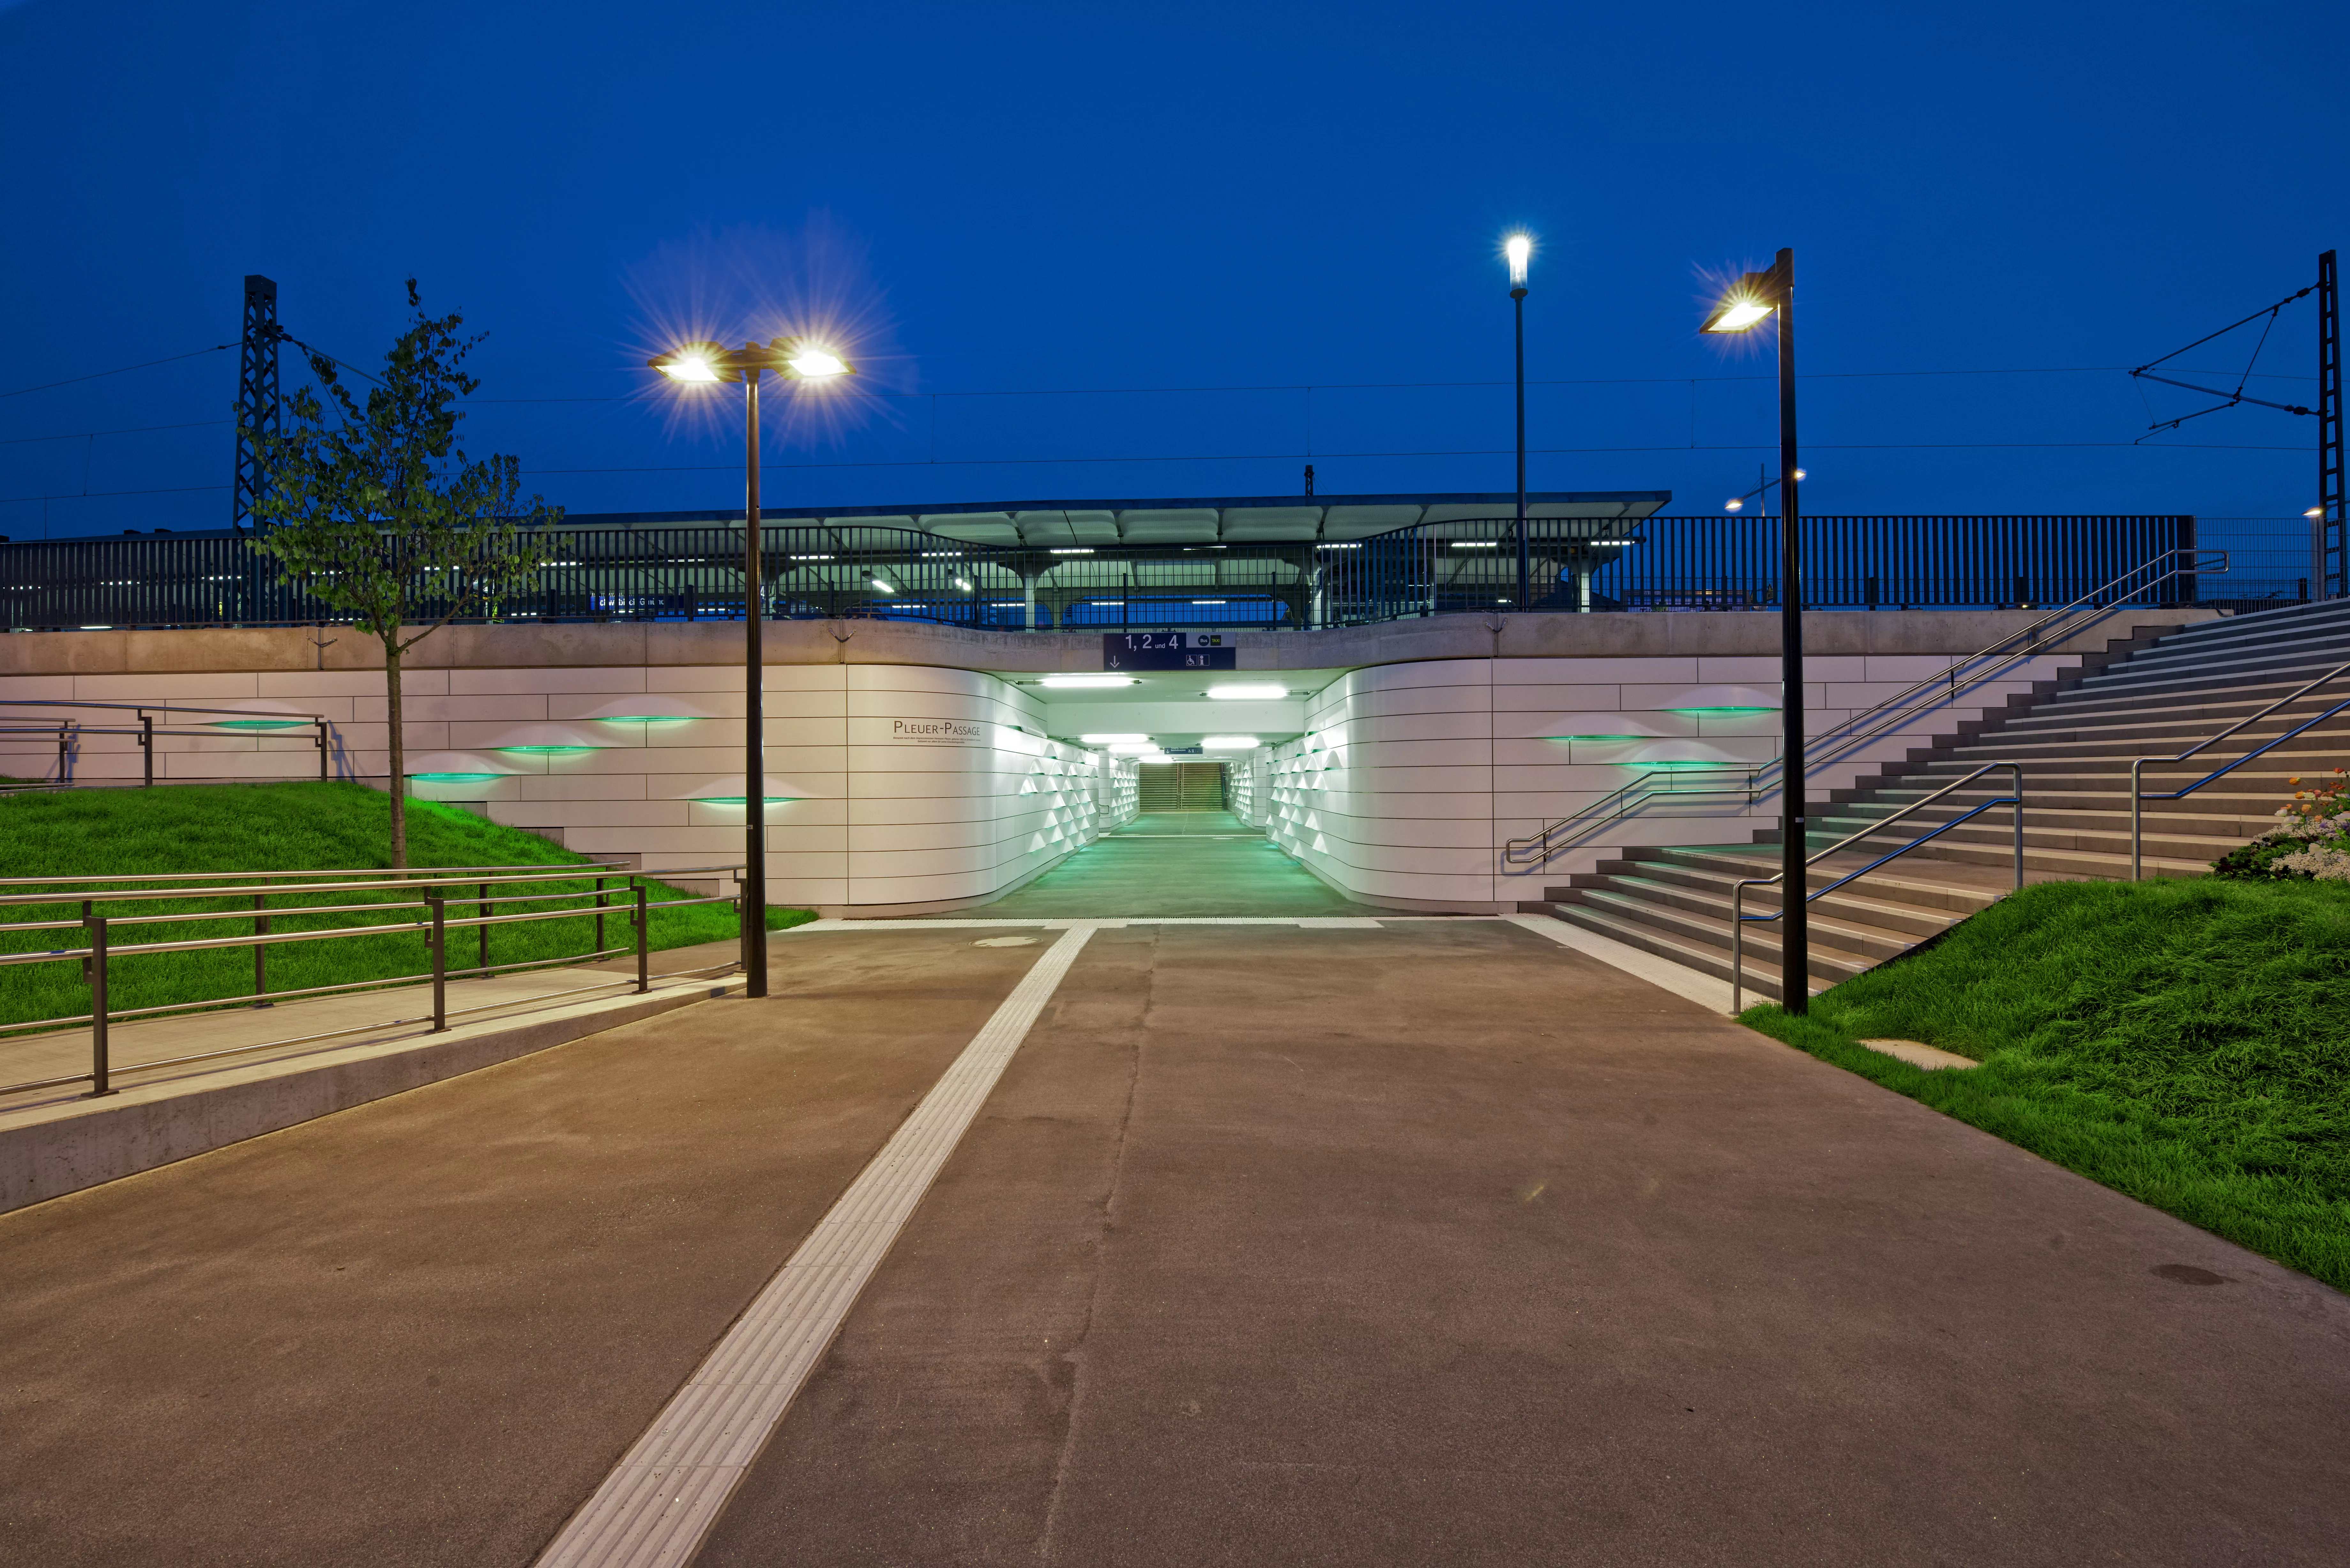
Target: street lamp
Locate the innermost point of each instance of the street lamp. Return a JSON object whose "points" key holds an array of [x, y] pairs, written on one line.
{"points": [[1518, 248], [1756, 296], [794, 360]]}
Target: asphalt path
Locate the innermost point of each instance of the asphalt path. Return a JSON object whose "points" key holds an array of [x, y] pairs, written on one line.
{"points": [[1437, 1243], [420, 1330], [1440, 1245]]}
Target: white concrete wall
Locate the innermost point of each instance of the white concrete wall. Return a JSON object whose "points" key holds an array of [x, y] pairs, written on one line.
{"points": [[1248, 785], [1412, 776], [874, 816]]}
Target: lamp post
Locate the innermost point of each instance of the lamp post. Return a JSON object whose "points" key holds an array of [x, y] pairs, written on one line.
{"points": [[1518, 248], [703, 364], [1757, 296]]}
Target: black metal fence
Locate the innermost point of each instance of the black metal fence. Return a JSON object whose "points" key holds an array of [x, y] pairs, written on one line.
{"points": [[694, 573]]}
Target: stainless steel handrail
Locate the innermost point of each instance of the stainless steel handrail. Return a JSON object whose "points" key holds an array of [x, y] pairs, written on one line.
{"points": [[362, 871], [1629, 795], [96, 957], [1831, 746], [413, 880], [1738, 917], [2138, 794]]}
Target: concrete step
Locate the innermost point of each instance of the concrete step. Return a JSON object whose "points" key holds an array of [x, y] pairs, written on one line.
{"points": [[1762, 977]]}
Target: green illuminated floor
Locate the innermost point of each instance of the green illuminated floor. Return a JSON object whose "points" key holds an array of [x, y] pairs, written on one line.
{"points": [[1173, 864]]}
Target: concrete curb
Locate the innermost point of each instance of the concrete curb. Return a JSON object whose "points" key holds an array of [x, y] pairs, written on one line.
{"points": [[83, 1144]]}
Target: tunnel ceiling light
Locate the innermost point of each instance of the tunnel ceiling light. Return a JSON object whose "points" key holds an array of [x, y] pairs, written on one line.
{"points": [[1072, 550], [1115, 740], [1084, 682], [1248, 694], [1476, 544], [1229, 742], [1209, 601]]}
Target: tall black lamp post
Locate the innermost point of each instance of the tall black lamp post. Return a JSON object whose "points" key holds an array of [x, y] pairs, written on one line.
{"points": [[1519, 248], [1756, 296], [794, 360]]}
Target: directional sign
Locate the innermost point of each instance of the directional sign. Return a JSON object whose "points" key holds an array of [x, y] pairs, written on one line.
{"points": [[1167, 650]]}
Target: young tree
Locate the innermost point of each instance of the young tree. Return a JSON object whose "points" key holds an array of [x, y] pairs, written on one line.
{"points": [[379, 513]]}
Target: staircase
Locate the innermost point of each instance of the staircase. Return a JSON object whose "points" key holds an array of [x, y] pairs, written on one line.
{"points": [[2076, 744], [1182, 786]]}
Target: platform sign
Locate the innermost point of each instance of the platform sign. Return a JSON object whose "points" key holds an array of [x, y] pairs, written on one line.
{"points": [[1167, 650]]}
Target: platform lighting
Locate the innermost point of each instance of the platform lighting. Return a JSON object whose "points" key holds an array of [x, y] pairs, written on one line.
{"points": [[793, 360], [1084, 682], [1228, 742], [1518, 248], [1115, 740], [1756, 295], [1248, 694], [964, 585]]}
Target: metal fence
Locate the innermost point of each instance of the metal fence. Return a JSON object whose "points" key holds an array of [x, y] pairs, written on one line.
{"points": [[694, 573]]}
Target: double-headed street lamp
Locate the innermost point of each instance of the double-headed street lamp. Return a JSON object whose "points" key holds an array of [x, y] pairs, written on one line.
{"points": [[1757, 296], [1519, 248], [794, 359]]}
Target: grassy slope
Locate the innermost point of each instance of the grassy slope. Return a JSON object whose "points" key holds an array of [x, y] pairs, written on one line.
{"points": [[278, 826], [2187, 1043]]}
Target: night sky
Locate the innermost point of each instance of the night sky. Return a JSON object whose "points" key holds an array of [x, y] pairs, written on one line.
{"points": [[1103, 250]]}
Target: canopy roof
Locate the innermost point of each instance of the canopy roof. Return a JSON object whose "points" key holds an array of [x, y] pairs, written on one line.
{"points": [[1221, 520]]}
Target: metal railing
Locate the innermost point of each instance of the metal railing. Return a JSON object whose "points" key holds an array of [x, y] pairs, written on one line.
{"points": [[1838, 743], [693, 572], [433, 887], [70, 731], [2138, 793], [1739, 919]]}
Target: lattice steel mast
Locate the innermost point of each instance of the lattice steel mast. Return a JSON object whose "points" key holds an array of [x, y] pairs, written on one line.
{"points": [[257, 403]]}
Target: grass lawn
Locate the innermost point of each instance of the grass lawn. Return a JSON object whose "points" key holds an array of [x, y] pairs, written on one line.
{"points": [[2185, 1042], [279, 827]]}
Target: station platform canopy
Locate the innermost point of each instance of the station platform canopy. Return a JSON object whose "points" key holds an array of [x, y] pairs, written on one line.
{"points": [[1217, 520]]}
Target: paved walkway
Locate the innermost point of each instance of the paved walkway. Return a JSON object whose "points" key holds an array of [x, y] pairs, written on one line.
{"points": [[1167, 864], [1429, 1242]]}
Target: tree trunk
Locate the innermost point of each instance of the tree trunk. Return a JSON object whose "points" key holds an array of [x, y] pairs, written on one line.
{"points": [[399, 756]]}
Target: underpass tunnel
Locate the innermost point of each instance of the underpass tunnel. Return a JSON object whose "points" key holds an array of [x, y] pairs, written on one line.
{"points": [[1195, 841]]}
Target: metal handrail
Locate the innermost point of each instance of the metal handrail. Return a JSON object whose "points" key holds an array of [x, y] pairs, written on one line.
{"points": [[1514, 850], [587, 866], [1738, 917], [2138, 794], [1833, 744], [97, 956], [319, 724], [413, 880]]}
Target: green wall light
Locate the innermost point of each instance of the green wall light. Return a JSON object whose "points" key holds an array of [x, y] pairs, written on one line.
{"points": [[552, 751], [646, 719], [454, 778], [261, 723], [1722, 710], [741, 799]]}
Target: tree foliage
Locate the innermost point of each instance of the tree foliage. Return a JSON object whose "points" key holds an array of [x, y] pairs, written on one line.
{"points": [[370, 504]]}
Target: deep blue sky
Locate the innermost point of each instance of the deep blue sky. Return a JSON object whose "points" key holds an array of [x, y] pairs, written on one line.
{"points": [[1082, 199]]}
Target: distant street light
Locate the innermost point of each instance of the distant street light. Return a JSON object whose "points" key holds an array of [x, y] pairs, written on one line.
{"points": [[794, 360], [1519, 249], [1755, 297]]}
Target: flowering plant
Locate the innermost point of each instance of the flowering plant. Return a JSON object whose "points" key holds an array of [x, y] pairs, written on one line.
{"points": [[2312, 841]]}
